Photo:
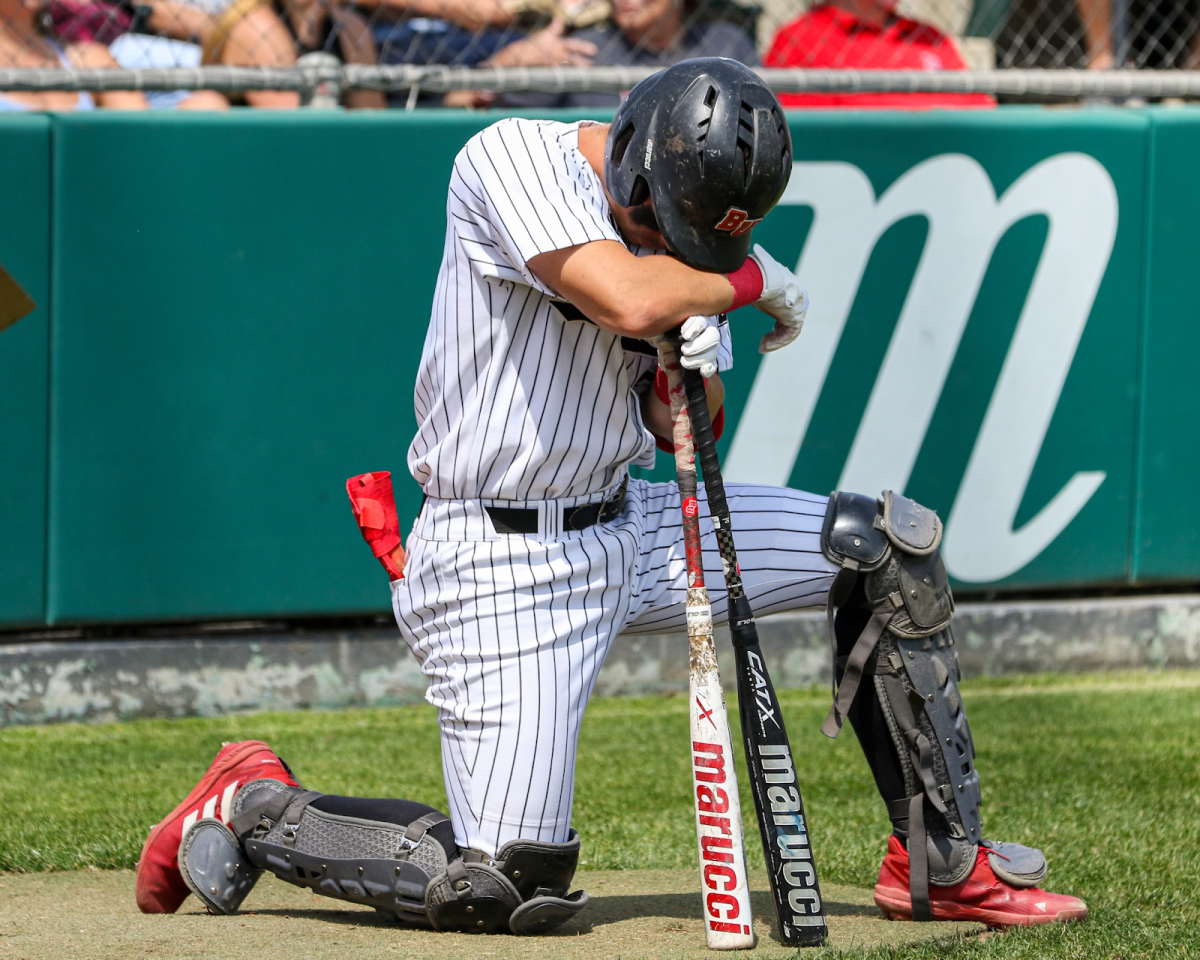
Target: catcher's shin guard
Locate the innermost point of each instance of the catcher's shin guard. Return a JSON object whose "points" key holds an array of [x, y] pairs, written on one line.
{"points": [[892, 644], [394, 855]]}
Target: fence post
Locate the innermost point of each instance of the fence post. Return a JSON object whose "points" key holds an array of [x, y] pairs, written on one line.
{"points": [[322, 79]]}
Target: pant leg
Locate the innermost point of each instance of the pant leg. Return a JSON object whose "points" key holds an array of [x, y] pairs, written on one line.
{"points": [[778, 536], [511, 632]]}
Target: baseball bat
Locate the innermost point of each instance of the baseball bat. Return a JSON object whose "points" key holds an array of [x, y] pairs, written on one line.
{"points": [[791, 869], [724, 883]]}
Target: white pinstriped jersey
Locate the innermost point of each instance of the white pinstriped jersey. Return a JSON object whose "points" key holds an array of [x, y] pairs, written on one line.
{"points": [[520, 398]]}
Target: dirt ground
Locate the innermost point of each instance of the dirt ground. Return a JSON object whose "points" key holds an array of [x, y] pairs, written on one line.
{"points": [[91, 915]]}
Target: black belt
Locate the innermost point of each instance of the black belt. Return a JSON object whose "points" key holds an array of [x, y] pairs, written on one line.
{"points": [[525, 520]]}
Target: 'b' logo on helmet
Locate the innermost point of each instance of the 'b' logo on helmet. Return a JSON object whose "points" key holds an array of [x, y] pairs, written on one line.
{"points": [[737, 222]]}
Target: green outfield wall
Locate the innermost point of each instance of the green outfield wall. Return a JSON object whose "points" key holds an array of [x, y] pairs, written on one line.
{"points": [[1005, 325]]}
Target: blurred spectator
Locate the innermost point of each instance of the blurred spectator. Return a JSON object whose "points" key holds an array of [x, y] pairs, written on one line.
{"points": [[317, 25], [247, 33], [116, 23], [183, 33], [471, 15], [465, 34], [23, 43], [653, 33], [658, 33], [273, 33], [867, 35], [139, 51], [1145, 34]]}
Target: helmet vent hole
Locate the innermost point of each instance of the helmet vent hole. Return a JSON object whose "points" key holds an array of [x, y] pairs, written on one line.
{"points": [[746, 117], [711, 97], [639, 193], [621, 144]]}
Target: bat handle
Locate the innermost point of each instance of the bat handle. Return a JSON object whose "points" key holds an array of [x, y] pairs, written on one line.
{"points": [[742, 629]]}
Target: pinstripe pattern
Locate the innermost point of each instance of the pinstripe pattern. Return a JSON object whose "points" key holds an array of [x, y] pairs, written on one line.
{"points": [[521, 402], [513, 400], [512, 630]]}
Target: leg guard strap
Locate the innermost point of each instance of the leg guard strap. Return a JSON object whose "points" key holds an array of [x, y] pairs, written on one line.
{"points": [[882, 612], [918, 854]]}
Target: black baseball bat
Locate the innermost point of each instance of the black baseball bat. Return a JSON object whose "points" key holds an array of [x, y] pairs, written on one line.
{"points": [[773, 781]]}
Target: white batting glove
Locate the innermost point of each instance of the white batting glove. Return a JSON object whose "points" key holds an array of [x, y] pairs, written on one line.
{"points": [[782, 298], [701, 338]]}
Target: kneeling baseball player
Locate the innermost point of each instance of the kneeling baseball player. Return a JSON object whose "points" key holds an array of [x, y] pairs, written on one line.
{"points": [[534, 549]]}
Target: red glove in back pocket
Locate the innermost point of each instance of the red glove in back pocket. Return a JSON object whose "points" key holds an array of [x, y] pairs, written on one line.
{"points": [[374, 507]]}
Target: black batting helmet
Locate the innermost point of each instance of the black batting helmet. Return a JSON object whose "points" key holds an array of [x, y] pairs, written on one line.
{"points": [[707, 140]]}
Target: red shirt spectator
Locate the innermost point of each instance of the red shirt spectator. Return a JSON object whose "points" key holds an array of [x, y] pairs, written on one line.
{"points": [[868, 36]]}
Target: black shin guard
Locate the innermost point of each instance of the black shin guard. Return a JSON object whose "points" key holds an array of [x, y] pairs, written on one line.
{"points": [[896, 676], [395, 855]]}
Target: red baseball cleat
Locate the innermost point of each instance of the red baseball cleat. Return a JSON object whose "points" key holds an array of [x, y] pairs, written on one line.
{"points": [[982, 897], [160, 885]]}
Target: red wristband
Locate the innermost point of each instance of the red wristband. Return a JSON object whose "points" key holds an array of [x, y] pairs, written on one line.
{"points": [[747, 283]]}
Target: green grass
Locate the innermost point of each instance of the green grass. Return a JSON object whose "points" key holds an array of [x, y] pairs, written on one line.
{"points": [[1101, 772]]}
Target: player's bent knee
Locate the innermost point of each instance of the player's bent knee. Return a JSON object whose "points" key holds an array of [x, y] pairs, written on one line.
{"points": [[522, 890], [892, 545], [400, 869]]}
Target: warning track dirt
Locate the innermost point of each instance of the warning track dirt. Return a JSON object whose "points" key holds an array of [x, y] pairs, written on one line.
{"points": [[633, 914]]}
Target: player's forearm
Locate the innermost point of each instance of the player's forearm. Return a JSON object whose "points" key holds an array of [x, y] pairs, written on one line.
{"points": [[633, 296], [664, 294]]}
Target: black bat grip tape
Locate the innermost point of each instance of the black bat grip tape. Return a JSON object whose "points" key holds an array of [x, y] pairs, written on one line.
{"points": [[741, 620]]}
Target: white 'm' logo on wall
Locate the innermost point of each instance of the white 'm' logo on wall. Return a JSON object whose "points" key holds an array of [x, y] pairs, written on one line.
{"points": [[1075, 193]]}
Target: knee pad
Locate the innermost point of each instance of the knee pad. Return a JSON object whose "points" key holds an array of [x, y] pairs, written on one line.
{"points": [[522, 890], [402, 870]]}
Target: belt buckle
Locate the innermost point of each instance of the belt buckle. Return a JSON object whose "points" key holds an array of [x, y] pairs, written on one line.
{"points": [[610, 509], [576, 518]]}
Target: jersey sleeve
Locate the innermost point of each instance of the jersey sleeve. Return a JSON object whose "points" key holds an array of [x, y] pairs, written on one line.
{"points": [[522, 191]]}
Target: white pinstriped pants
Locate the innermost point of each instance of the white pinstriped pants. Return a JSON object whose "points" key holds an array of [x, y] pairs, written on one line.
{"points": [[512, 629]]}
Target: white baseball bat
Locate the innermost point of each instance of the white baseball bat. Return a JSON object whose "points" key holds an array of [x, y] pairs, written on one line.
{"points": [[728, 924]]}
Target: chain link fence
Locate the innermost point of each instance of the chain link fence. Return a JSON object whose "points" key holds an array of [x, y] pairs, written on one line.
{"points": [[207, 54]]}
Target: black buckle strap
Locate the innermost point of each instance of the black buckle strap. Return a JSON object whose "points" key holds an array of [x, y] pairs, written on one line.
{"points": [[525, 520], [293, 813], [416, 833]]}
